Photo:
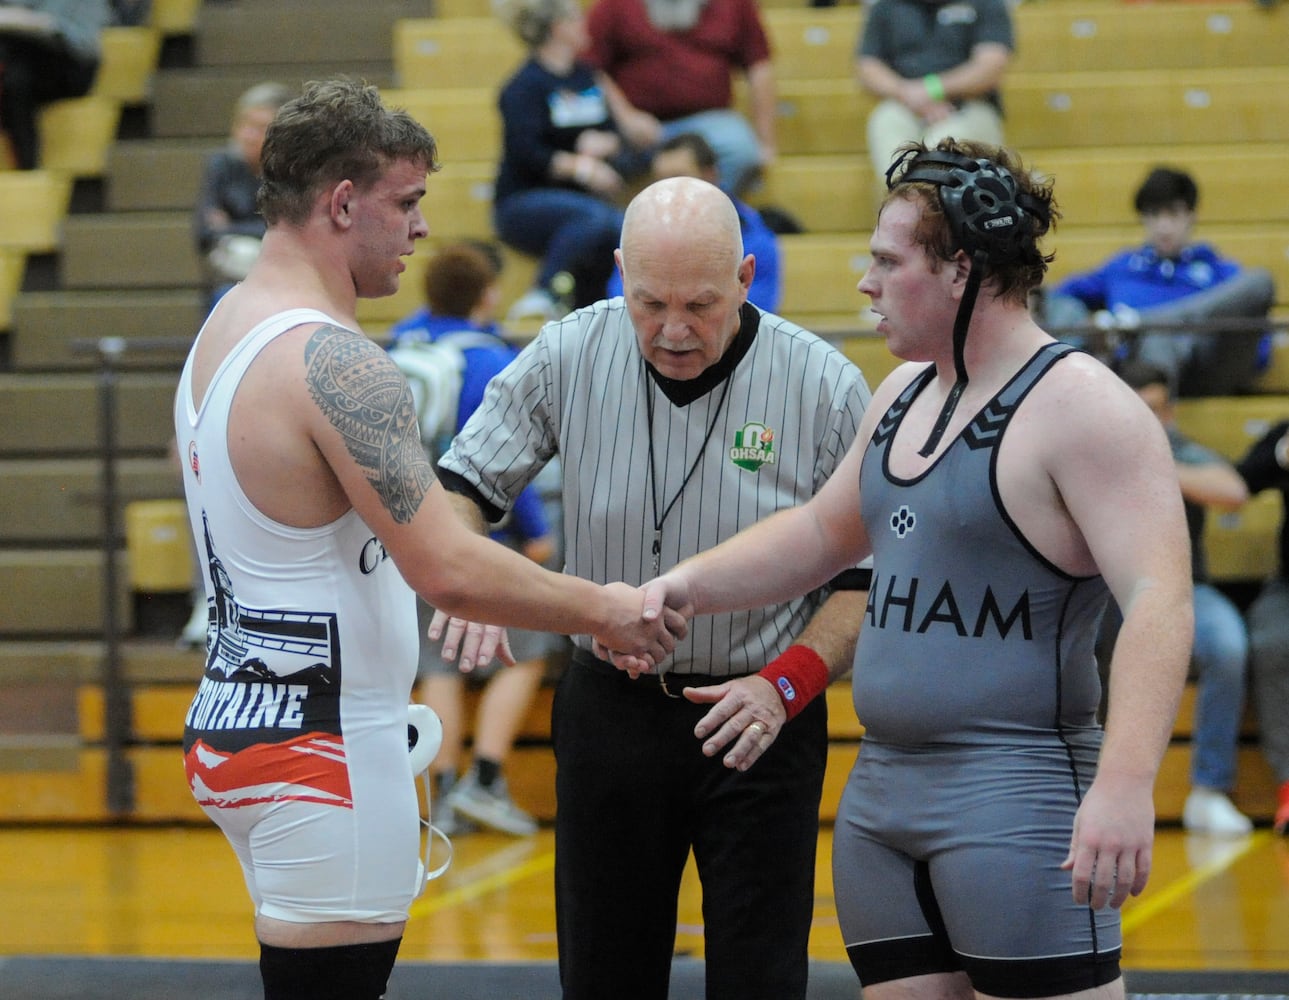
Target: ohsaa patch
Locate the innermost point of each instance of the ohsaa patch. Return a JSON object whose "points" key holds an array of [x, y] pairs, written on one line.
{"points": [[753, 447], [192, 460], [786, 689]]}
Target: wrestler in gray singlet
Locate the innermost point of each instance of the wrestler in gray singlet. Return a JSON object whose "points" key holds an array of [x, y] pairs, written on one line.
{"points": [[977, 685]]}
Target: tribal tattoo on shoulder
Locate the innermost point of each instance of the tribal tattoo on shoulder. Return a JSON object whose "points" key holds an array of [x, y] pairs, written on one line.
{"points": [[363, 394]]}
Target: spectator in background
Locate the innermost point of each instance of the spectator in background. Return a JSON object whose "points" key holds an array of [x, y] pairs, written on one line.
{"points": [[1264, 467], [1220, 654], [463, 295], [936, 67], [226, 224], [474, 307], [557, 179], [1172, 280], [672, 61], [690, 155], [49, 50]]}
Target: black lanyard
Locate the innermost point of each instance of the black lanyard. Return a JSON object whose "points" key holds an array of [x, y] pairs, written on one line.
{"points": [[653, 473]]}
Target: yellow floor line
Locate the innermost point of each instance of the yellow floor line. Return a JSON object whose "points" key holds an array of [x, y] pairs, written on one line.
{"points": [[480, 887], [1156, 902]]}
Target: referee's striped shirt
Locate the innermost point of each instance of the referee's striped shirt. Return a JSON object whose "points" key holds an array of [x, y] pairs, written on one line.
{"points": [[777, 413]]}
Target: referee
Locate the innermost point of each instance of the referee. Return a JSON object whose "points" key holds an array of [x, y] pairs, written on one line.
{"points": [[682, 414]]}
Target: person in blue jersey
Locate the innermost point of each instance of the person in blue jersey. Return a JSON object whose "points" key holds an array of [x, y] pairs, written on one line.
{"points": [[1173, 279], [1006, 486], [690, 155], [557, 181], [463, 294]]}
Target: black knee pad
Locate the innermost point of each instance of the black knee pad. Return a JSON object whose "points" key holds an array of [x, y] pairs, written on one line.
{"points": [[345, 972]]}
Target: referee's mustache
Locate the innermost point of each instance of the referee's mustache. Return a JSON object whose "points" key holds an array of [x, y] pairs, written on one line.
{"points": [[663, 342]]}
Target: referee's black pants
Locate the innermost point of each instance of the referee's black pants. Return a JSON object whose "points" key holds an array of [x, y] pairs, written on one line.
{"points": [[634, 795]]}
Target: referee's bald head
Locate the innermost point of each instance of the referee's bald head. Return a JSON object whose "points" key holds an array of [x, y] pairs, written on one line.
{"points": [[682, 211]]}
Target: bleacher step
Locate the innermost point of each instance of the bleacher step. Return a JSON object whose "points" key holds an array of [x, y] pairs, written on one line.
{"points": [[46, 324], [62, 498], [198, 103], [130, 250], [306, 31], [152, 174], [58, 415], [32, 755]]}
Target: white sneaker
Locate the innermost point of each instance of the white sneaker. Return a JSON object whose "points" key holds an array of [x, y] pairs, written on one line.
{"points": [[536, 303], [1209, 811], [490, 807], [193, 635]]}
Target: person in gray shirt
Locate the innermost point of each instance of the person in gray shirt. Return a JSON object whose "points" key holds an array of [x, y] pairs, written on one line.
{"points": [[936, 67]]}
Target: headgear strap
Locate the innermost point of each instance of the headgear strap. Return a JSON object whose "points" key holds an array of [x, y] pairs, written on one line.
{"points": [[988, 217]]}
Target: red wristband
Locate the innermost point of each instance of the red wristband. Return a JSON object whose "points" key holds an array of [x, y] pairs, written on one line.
{"points": [[799, 674]]}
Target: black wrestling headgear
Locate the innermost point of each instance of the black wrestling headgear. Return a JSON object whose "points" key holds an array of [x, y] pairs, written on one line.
{"points": [[984, 206], [989, 219]]}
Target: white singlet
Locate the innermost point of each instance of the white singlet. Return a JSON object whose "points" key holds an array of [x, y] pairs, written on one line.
{"points": [[296, 741]]}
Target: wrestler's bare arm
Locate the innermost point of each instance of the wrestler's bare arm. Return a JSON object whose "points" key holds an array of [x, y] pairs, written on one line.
{"points": [[365, 398], [365, 426], [1115, 479]]}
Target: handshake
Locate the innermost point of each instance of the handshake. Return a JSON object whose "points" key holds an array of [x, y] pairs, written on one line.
{"points": [[638, 629], [662, 609]]}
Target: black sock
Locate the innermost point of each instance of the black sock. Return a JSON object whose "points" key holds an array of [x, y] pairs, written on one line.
{"points": [[487, 771], [345, 972]]}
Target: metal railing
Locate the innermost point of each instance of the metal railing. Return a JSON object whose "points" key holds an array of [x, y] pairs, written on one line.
{"points": [[118, 709]]}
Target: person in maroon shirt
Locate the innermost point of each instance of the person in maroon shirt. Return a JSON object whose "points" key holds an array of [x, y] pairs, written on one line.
{"points": [[669, 65]]}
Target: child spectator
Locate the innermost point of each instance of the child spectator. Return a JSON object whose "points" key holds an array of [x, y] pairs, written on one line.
{"points": [[463, 294]]}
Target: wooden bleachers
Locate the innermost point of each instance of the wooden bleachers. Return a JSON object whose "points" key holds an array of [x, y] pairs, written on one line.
{"points": [[51, 569], [130, 58], [1094, 187], [75, 137], [1090, 35], [811, 43], [174, 17], [463, 120], [436, 52], [1241, 546], [12, 265], [76, 134], [57, 415], [1069, 69], [1092, 110], [33, 204]]}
